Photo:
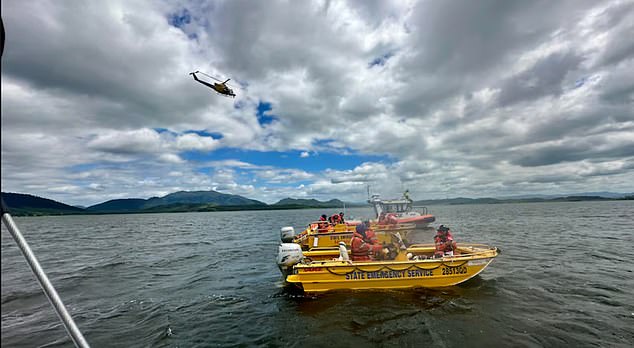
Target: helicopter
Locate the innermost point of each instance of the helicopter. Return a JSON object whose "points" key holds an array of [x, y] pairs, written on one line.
{"points": [[220, 88]]}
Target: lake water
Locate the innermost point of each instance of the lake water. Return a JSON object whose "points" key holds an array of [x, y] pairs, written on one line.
{"points": [[565, 278]]}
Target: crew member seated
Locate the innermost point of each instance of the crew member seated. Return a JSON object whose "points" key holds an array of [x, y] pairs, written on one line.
{"points": [[323, 223], [445, 245], [387, 219], [369, 232], [334, 220], [363, 245]]}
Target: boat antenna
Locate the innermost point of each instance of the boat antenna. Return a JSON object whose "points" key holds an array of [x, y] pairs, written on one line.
{"points": [[40, 275]]}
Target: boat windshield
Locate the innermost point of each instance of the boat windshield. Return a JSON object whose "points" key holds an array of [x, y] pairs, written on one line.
{"points": [[397, 207]]}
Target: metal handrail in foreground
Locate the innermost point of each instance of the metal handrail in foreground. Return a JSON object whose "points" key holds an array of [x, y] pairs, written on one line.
{"points": [[47, 287]]}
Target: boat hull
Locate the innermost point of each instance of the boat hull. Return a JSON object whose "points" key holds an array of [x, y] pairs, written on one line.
{"points": [[322, 276], [420, 221]]}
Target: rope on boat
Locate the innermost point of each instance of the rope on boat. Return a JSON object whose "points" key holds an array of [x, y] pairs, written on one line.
{"points": [[381, 268]]}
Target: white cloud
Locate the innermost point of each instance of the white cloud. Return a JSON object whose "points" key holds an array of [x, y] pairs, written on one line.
{"points": [[195, 142], [455, 95], [170, 158], [123, 142]]}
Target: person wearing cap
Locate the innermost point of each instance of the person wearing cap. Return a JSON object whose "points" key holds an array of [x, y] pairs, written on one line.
{"points": [[445, 244], [369, 232], [363, 245]]}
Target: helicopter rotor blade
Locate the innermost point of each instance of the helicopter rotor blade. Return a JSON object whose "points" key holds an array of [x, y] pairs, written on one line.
{"points": [[221, 81], [211, 77]]}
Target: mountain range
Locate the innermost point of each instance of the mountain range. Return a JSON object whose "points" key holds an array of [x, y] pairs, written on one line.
{"points": [[313, 203], [185, 198], [187, 201], [182, 201], [25, 204]]}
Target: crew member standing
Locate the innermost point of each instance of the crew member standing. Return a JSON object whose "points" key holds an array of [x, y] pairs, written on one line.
{"points": [[445, 245]]}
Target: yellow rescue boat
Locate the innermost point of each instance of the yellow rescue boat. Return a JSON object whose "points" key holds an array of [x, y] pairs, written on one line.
{"points": [[319, 271], [315, 236]]}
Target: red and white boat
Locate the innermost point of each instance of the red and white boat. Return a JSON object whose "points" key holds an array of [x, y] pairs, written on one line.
{"points": [[400, 210]]}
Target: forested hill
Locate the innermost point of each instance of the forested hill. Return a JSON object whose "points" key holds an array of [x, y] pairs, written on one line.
{"points": [[25, 204], [462, 200], [177, 201], [200, 201], [310, 203], [118, 205]]}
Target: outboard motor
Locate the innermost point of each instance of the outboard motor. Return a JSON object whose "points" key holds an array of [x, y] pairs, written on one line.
{"points": [[287, 234], [288, 255]]}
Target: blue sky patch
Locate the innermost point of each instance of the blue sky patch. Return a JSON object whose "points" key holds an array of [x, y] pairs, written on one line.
{"points": [[289, 159], [180, 19], [381, 60], [580, 82], [263, 118], [78, 168], [204, 133], [165, 130]]}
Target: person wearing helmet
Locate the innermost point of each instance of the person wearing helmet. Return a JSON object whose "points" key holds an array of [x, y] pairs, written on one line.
{"points": [[363, 245], [445, 244]]}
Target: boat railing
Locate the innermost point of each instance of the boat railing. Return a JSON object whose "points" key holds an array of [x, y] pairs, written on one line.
{"points": [[325, 227], [314, 228], [46, 285], [422, 210], [463, 257], [464, 249]]}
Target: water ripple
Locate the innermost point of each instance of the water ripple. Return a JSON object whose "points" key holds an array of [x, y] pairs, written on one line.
{"points": [[209, 279]]}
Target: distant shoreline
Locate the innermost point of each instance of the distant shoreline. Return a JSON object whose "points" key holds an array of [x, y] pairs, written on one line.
{"points": [[200, 208]]}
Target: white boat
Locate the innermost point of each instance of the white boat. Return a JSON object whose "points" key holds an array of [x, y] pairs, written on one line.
{"points": [[402, 210]]}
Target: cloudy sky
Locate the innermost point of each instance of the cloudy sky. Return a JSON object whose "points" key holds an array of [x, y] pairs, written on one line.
{"points": [[444, 98]]}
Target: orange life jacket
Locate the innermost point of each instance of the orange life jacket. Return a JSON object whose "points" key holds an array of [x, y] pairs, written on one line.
{"points": [[441, 243], [363, 248]]}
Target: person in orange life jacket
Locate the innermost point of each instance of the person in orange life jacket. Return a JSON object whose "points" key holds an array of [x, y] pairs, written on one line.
{"points": [[334, 219], [323, 224], [381, 220], [387, 219], [369, 232], [391, 219], [445, 245], [363, 247]]}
